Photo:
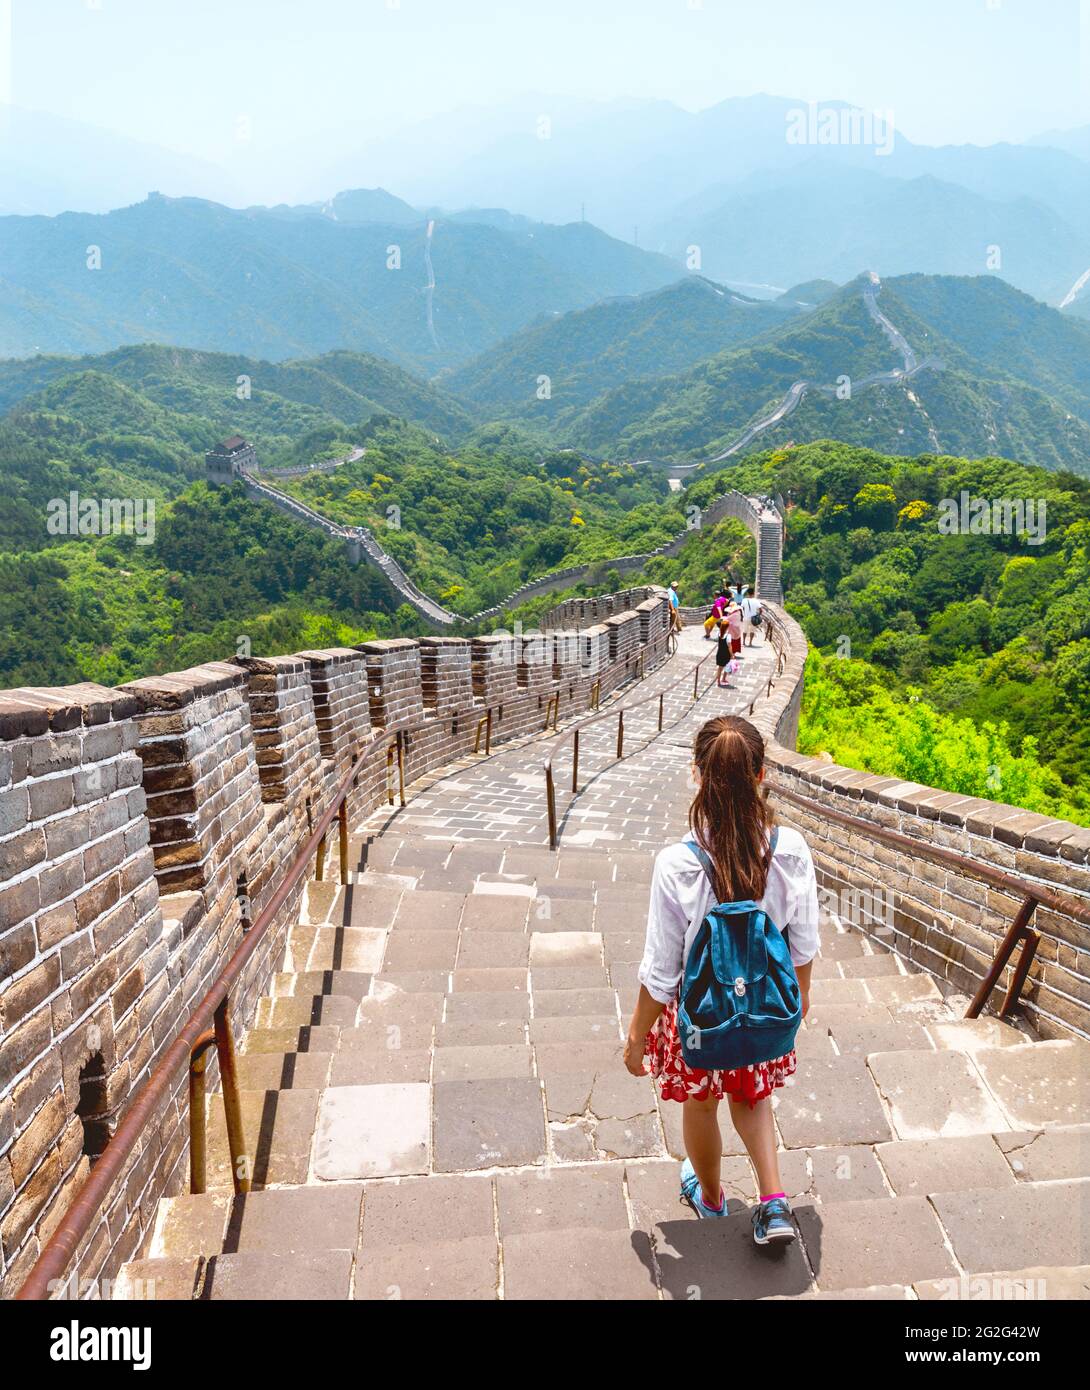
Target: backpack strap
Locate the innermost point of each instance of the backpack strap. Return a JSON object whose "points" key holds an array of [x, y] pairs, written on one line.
{"points": [[705, 861]]}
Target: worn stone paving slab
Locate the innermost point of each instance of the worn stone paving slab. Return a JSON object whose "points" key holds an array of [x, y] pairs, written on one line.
{"points": [[159, 1280], [886, 1241], [712, 1260], [466, 1269], [282, 1071], [830, 1101], [480, 1063], [1040, 1084], [296, 1219], [935, 1093], [494, 1122], [561, 1199], [1047, 1155], [993, 1229], [302, 1275], [372, 1131], [592, 1265], [918, 1167], [371, 1067], [192, 1225], [422, 1210], [278, 1127]]}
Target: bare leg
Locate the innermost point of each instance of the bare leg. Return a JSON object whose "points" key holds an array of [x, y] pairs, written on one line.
{"points": [[759, 1137], [704, 1145]]}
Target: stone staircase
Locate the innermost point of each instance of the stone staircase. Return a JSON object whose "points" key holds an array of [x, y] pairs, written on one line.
{"points": [[436, 1106]]}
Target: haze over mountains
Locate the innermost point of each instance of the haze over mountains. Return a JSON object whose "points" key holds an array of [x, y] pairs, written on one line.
{"points": [[769, 189]]}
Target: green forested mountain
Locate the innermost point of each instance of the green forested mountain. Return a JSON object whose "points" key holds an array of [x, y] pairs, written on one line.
{"points": [[955, 660], [591, 350], [984, 390], [1008, 332], [193, 273], [284, 398]]}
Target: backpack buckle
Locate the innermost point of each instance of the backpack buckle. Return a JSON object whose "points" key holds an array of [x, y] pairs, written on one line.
{"points": [[739, 986]]}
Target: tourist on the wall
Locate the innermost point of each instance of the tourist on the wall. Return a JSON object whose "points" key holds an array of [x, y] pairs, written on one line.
{"points": [[732, 615], [732, 930], [713, 618], [675, 608], [751, 617], [724, 657]]}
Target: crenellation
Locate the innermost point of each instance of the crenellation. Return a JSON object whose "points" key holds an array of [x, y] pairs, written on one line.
{"points": [[394, 682]]}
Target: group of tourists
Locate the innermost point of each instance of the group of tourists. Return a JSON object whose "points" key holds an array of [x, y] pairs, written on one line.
{"points": [[734, 622]]}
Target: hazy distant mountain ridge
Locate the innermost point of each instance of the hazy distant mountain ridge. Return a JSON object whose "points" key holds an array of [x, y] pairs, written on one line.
{"points": [[195, 274]]}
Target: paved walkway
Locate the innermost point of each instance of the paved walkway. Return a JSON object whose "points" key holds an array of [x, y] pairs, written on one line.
{"points": [[638, 802], [436, 1105]]}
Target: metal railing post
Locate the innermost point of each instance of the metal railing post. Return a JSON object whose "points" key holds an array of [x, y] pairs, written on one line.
{"points": [[1014, 934], [198, 1111], [662, 706], [575, 762], [319, 866], [1030, 941], [342, 835], [241, 1167], [401, 766], [620, 733], [550, 799]]}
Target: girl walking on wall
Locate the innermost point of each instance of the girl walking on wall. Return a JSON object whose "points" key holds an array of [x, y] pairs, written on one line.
{"points": [[738, 899]]}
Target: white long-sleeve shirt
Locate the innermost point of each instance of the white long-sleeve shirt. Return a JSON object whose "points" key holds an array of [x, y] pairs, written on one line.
{"points": [[681, 897]]}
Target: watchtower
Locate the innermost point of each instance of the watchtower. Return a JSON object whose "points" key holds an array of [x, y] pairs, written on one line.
{"points": [[226, 462]]}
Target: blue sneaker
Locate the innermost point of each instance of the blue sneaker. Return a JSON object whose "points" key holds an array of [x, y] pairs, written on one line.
{"points": [[772, 1223], [691, 1193]]}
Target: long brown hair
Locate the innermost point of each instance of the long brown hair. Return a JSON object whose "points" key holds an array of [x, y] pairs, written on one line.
{"points": [[730, 815]]}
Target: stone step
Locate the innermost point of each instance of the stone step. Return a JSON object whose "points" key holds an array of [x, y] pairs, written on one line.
{"points": [[278, 1127], [350, 984], [291, 1038], [284, 1071], [276, 1222], [302, 1010]]}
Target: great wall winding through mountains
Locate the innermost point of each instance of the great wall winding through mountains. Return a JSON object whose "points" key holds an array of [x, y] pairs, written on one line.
{"points": [[428, 1096], [235, 460], [232, 462]]}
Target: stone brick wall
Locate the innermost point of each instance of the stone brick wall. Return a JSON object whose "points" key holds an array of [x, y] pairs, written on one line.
{"points": [[83, 962], [948, 922], [141, 829]]}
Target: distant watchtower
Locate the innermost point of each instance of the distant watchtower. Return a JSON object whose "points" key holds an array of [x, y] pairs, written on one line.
{"points": [[224, 463]]}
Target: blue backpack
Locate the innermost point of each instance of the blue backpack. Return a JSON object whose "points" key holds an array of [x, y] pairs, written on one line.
{"points": [[740, 1001]]}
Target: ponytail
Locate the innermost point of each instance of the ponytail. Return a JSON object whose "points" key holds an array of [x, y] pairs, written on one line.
{"points": [[730, 815]]}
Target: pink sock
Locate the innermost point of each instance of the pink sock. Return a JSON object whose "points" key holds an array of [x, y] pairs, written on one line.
{"points": [[718, 1206], [773, 1195]]}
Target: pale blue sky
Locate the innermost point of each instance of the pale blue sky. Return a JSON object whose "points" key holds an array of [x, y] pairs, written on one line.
{"points": [[182, 72]]}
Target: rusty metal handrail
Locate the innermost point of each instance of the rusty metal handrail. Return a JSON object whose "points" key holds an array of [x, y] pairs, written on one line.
{"points": [[1017, 885], [574, 732]]}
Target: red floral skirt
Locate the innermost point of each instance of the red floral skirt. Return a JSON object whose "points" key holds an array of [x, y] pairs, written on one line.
{"points": [[679, 1081]]}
